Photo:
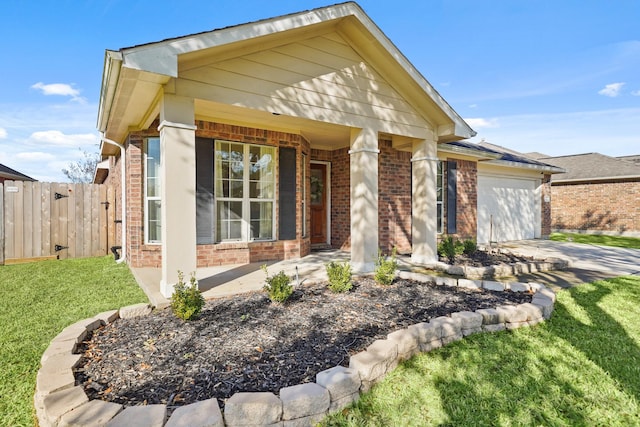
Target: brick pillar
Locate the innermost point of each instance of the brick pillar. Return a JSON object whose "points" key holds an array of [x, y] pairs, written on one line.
{"points": [[178, 180], [364, 199], [424, 202]]}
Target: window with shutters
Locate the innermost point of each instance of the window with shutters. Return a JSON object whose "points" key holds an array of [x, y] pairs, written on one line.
{"points": [[244, 191]]}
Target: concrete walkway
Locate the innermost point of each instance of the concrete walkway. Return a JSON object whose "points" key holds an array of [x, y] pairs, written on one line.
{"points": [[587, 263]]}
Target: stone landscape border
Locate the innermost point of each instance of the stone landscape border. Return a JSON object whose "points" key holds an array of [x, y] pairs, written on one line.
{"points": [[60, 402], [502, 270]]}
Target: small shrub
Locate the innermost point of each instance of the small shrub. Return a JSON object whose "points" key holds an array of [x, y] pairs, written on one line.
{"points": [[449, 248], [278, 286], [186, 301], [469, 247], [385, 270], [339, 276]]}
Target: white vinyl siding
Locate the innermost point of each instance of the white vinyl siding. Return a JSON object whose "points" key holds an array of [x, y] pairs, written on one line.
{"points": [[321, 78]]}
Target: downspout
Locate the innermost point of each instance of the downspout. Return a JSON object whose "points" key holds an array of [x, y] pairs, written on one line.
{"points": [[123, 195]]}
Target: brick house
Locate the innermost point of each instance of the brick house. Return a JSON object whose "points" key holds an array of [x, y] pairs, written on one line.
{"points": [[596, 194], [260, 141]]}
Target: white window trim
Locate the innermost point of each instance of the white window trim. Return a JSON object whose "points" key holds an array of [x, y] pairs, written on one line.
{"points": [[245, 231], [440, 204], [147, 198]]}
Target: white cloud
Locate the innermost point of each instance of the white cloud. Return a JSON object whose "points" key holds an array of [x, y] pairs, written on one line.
{"points": [[3, 133], [35, 156], [56, 137], [61, 89], [478, 123], [611, 90]]}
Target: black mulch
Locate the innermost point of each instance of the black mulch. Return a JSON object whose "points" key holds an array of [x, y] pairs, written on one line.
{"points": [[481, 258], [247, 343]]}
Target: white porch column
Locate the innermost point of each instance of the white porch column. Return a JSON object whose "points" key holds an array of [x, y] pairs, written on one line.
{"points": [[178, 183], [364, 199], [423, 202]]}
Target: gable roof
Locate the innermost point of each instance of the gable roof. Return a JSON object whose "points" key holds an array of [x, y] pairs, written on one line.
{"points": [[593, 167], [498, 155], [12, 174], [133, 76], [633, 158]]}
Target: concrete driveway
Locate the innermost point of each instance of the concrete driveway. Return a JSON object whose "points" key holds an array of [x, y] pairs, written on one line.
{"points": [[587, 263]]}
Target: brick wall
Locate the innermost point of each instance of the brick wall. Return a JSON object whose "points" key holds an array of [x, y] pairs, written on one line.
{"points": [[601, 207], [394, 200], [142, 255], [467, 199]]}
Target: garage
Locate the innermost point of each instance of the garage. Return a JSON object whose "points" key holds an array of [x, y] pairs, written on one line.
{"points": [[507, 208]]}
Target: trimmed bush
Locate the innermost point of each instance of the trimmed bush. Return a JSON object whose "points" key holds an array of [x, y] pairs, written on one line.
{"points": [[278, 287], [339, 276], [186, 301], [385, 270], [469, 247], [450, 248]]}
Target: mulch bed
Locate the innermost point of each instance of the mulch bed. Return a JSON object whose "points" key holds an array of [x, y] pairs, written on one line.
{"points": [[247, 343], [482, 258]]}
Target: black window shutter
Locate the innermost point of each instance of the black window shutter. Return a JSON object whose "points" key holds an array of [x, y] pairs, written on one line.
{"points": [[287, 189], [452, 188], [205, 219]]}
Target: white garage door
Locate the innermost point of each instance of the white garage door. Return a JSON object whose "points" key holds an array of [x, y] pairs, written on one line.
{"points": [[506, 209]]}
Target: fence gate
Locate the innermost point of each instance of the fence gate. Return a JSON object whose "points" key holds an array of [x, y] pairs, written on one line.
{"points": [[41, 220]]}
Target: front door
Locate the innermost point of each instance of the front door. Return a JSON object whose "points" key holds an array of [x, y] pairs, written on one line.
{"points": [[318, 203]]}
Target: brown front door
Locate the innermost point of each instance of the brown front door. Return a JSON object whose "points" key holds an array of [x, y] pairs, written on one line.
{"points": [[318, 203]]}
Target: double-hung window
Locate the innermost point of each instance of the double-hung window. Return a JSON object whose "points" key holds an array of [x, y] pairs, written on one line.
{"points": [[440, 196], [244, 191], [152, 200]]}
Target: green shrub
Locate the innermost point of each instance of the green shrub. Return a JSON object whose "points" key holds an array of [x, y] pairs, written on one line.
{"points": [[278, 286], [449, 248], [186, 301], [339, 276], [385, 270], [469, 247]]}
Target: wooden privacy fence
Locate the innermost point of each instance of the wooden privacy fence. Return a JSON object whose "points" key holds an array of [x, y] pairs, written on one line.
{"points": [[41, 220]]}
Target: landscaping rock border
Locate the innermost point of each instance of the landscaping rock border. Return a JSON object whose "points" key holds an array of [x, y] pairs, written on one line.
{"points": [[59, 402], [502, 270]]}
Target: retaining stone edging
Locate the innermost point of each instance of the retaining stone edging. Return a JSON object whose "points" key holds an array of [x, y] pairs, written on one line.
{"points": [[59, 402], [502, 270]]}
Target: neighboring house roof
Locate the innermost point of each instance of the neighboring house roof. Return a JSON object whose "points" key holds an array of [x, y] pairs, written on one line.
{"points": [[11, 174], [134, 77], [634, 158], [495, 154], [593, 167]]}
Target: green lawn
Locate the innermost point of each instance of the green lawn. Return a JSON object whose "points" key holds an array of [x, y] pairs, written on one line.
{"points": [[581, 368], [598, 239], [38, 301]]}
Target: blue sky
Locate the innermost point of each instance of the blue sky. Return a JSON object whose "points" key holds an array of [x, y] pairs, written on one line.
{"points": [[556, 76]]}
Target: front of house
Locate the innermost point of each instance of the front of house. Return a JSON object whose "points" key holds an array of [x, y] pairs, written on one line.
{"points": [[261, 141]]}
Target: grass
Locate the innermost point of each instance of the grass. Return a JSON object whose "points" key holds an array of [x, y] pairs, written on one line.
{"points": [[581, 368], [598, 239], [38, 301]]}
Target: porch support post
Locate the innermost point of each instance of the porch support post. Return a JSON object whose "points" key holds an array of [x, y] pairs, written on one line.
{"points": [[178, 182], [364, 199], [424, 201]]}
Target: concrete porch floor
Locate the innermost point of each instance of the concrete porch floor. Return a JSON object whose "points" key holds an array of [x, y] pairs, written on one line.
{"points": [[228, 280]]}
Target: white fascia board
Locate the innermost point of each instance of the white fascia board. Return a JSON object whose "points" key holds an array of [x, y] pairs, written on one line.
{"points": [[110, 76], [481, 155], [162, 57], [528, 166], [595, 180]]}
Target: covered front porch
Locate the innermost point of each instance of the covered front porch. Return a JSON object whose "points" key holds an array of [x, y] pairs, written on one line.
{"points": [[227, 280]]}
